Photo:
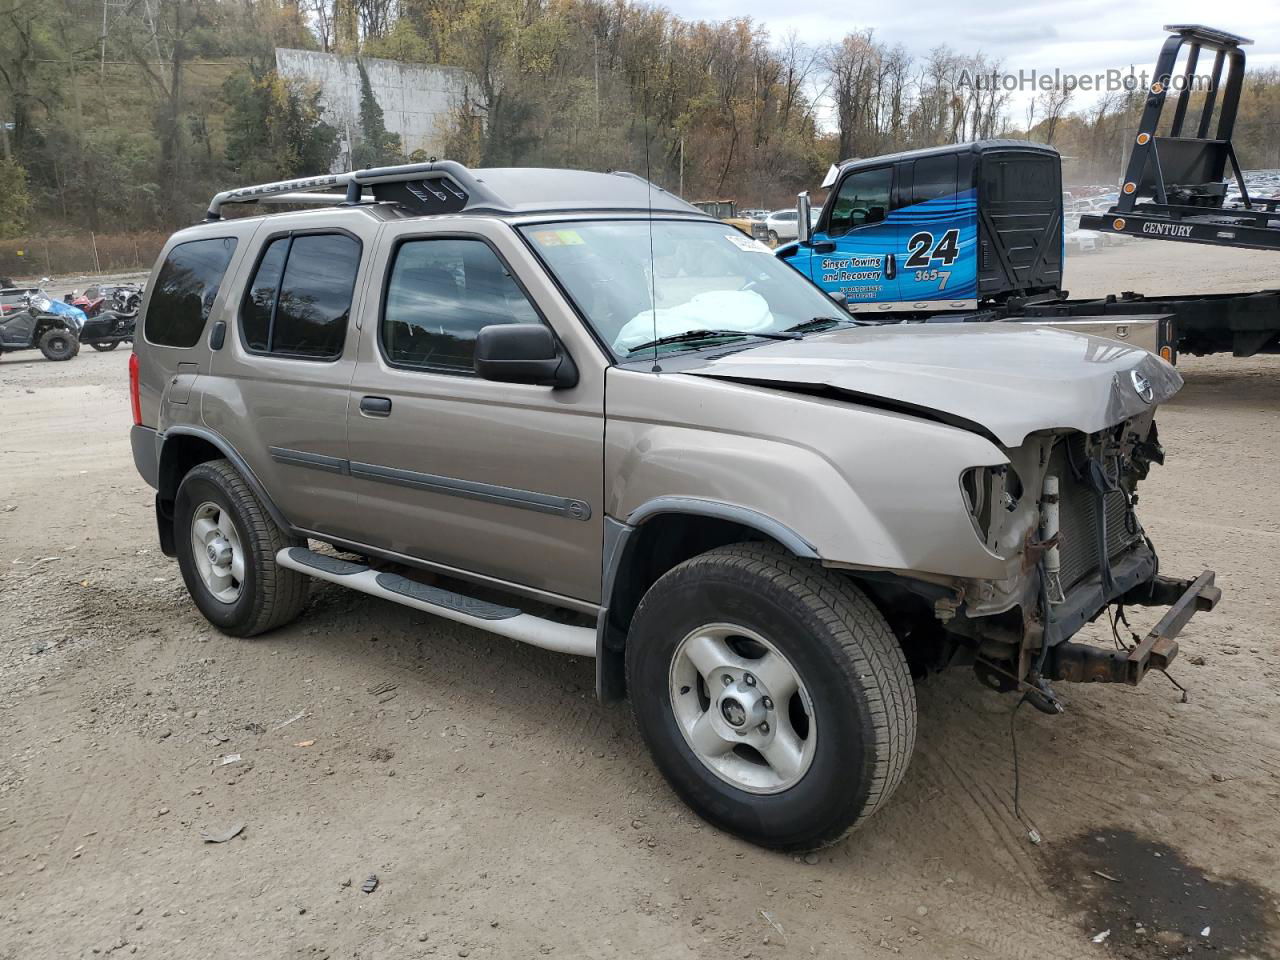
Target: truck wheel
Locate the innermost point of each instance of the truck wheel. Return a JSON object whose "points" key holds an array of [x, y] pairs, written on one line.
{"points": [[105, 347], [227, 544], [58, 344], [772, 694]]}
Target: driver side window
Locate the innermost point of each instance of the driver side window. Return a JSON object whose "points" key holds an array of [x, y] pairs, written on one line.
{"points": [[863, 199]]}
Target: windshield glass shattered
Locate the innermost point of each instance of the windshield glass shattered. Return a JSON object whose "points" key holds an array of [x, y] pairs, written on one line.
{"points": [[702, 277]]}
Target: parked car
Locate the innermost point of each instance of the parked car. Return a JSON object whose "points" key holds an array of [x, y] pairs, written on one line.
{"points": [[781, 225], [613, 428], [31, 319]]}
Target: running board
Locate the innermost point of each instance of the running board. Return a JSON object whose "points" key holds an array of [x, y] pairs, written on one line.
{"points": [[481, 614]]}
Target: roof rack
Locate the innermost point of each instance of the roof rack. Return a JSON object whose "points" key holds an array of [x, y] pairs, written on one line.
{"points": [[446, 186], [446, 182]]}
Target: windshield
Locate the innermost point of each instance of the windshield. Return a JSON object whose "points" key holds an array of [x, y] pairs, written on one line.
{"points": [[704, 276]]}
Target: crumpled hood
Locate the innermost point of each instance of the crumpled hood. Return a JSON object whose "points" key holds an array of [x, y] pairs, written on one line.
{"points": [[1010, 379]]}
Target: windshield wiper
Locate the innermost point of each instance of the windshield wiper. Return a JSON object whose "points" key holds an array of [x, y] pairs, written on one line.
{"points": [[818, 323], [691, 335]]}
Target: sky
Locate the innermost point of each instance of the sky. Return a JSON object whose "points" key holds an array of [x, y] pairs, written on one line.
{"points": [[1076, 36]]}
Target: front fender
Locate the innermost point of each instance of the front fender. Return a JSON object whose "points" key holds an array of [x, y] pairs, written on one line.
{"points": [[861, 487]]}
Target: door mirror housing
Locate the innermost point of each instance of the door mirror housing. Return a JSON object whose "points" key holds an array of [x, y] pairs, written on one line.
{"points": [[802, 217], [523, 353]]}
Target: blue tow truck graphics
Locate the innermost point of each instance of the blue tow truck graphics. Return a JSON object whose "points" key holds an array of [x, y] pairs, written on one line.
{"points": [[938, 229]]}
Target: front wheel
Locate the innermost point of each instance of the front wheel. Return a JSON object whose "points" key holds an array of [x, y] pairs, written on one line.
{"points": [[227, 545], [58, 344], [773, 238], [772, 694], [105, 347]]}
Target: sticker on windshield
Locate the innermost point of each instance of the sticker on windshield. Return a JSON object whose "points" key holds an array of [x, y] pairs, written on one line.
{"points": [[747, 244], [558, 238]]}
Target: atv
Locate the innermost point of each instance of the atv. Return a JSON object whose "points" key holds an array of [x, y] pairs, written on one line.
{"points": [[32, 319]]}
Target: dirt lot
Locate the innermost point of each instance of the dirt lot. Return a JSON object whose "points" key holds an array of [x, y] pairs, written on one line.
{"points": [[506, 814]]}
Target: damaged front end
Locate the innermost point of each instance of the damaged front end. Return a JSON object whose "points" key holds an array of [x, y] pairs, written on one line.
{"points": [[1063, 512]]}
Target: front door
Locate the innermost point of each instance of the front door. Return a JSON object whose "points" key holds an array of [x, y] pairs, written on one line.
{"points": [[855, 253], [496, 480]]}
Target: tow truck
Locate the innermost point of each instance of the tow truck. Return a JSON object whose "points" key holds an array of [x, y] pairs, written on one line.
{"points": [[974, 231]]}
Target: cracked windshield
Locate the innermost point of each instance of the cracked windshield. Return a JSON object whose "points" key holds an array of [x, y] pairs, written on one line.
{"points": [[703, 277]]}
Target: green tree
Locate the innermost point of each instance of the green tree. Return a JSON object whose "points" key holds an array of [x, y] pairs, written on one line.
{"points": [[375, 147], [274, 129], [15, 198]]}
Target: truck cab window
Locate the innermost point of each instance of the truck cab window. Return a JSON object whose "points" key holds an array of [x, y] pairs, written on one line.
{"points": [[935, 177], [863, 198]]}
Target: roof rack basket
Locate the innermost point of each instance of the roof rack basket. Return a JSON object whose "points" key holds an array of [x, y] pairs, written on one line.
{"points": [[1180, 178]]}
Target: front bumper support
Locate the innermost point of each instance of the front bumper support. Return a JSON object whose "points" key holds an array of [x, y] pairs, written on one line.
{"points": [[1081, 662]]}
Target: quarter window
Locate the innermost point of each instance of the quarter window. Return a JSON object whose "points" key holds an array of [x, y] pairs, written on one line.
{"points": [[299, 299], [863, 198], [185, 290], [440, 293]]}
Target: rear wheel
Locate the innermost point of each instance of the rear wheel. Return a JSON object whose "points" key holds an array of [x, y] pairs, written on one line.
{"points": [[105, 347], [59, 344], [773, 237], [772, 694], [227, 544]]}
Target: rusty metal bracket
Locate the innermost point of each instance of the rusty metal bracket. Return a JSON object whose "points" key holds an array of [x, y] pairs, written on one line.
{"points": [[1082, 662]]}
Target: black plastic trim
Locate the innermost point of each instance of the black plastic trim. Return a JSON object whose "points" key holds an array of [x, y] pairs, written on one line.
{"points": [[473, 490], [237, 461], [321, 561], [146, 454], [314, 461], [445, 599]]}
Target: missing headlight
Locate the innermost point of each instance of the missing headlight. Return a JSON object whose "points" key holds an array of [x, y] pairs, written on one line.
{"points": [[989, 491]]}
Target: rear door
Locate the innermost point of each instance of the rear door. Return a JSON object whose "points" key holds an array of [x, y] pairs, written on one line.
{"points": [[854, 253], [281, 380]]}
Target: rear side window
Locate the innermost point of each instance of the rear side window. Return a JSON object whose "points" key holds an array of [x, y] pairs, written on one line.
{"points": [[440, 293], [299, 299], [185, 290], [935, 177]]}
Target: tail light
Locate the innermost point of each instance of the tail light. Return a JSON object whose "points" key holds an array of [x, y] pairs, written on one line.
{"points": [[135, 401]]}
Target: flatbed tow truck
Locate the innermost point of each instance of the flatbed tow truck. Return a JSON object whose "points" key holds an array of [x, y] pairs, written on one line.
{"points": [[974, 232]]}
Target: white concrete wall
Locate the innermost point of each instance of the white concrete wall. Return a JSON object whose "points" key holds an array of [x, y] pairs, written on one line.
{"points": [[418, 100]]}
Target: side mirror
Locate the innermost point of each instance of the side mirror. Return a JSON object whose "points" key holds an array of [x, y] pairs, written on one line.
{"points": [[839, 297], [523, 353], [802, 213]]}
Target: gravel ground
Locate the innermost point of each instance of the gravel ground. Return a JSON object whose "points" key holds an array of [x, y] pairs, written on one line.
{"points": [[507, 814]]}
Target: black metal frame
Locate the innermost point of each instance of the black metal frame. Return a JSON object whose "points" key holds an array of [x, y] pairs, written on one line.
{"points": [[1254, 224]]}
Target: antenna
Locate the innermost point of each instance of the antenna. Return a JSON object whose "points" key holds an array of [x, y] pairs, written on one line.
{"points": [[648, 180]]}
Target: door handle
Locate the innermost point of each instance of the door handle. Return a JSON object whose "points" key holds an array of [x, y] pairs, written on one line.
{"points": [[375, 406], [890, 266], [824, 246]]}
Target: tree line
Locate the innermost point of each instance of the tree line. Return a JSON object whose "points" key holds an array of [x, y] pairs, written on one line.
{"points": [[130, 114]]}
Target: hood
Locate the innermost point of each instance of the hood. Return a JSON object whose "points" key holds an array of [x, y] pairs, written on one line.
{"points": [[1006, 379]]}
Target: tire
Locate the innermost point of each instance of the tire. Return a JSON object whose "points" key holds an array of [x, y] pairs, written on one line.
{"points": [[267, 595], [105, 347], [59, 344], [855, 696], [773, 237]]}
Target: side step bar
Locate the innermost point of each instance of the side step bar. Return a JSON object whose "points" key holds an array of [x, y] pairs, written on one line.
{"points": [[481, 614]]}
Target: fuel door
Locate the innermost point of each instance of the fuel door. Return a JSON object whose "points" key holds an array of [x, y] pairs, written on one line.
{"points": [[180, 383]]}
